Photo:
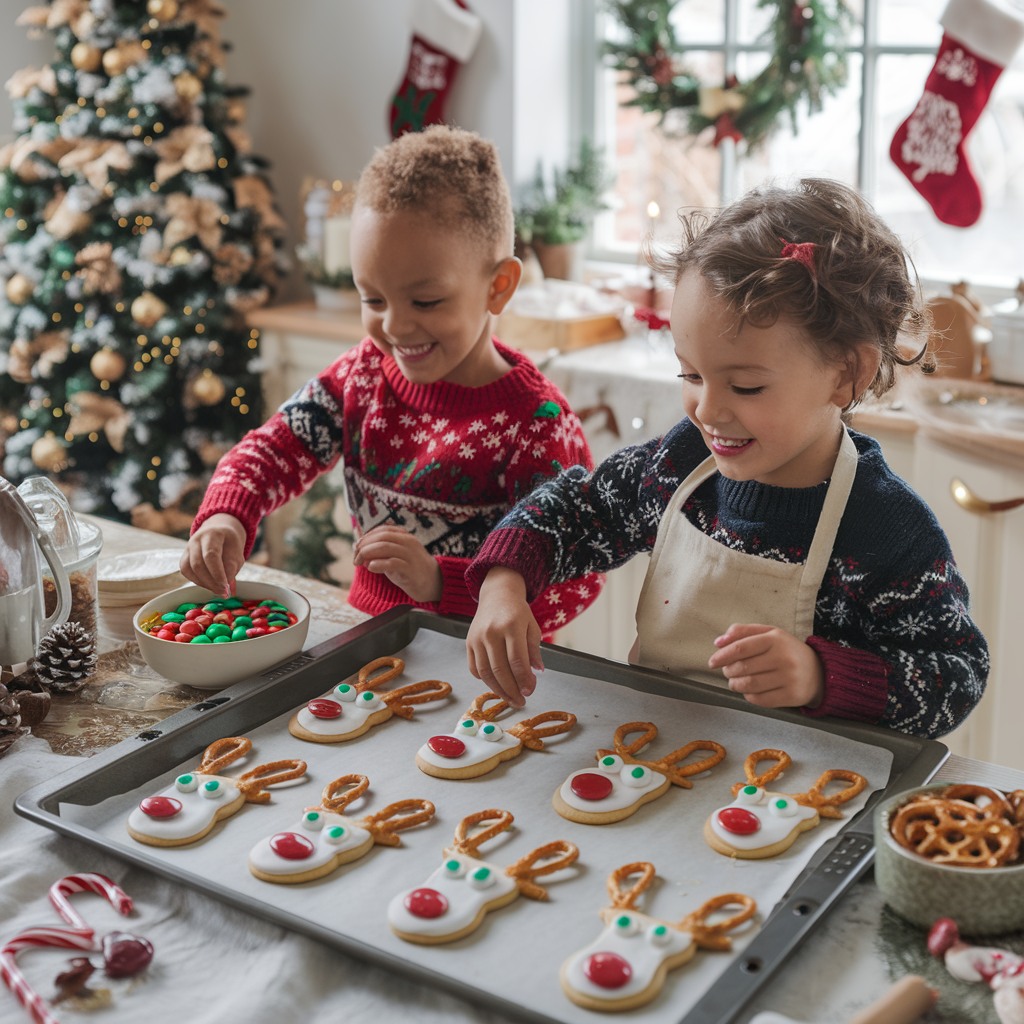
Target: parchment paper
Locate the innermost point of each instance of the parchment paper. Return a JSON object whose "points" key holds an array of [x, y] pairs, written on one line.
{"points": [[517, 951]]}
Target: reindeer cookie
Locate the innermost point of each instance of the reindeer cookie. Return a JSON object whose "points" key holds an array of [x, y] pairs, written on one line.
{"points": [[626, 965], [454, 899], [350, 710], [478, 744], [622, 783], [759, 824], [325, 838], [186, 811]]}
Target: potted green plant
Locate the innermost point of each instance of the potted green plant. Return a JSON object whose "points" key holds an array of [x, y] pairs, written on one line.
{"points": [[553, 220]]}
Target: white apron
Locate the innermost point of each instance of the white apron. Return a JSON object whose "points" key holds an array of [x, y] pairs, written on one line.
{"points": [[697, 587]]}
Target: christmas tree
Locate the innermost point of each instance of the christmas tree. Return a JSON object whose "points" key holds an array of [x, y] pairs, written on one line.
{"points": [[136, 230]]}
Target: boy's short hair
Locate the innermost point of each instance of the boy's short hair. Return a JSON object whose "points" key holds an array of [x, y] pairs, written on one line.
{"points": [[444, 171]]}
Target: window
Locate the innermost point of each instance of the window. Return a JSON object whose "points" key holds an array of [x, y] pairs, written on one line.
{"points": [[889, 57]]}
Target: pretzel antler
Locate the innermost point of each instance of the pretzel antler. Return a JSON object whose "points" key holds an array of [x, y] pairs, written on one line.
{"points": [[782, 762], [533, 737], [220, 753], [395, 818], [666, 764], [826, 805], [713, 936], [335, 801], [394, 666], [524, 872], [400, 701], [625, 899], [464, 843], [479, 713], [253, 786]]}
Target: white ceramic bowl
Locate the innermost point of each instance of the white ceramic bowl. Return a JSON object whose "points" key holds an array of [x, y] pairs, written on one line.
{"points": [[214, 666]]}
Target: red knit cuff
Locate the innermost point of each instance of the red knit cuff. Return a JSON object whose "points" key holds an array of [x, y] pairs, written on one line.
{"points": [[856, 682], [525, 551], [243, 506], [455, 597]]}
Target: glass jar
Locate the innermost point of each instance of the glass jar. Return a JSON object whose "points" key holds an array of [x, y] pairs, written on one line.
{"points": [[82, 577]]}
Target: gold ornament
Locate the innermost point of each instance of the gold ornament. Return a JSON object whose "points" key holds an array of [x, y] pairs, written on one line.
{"points": [[118, 59], [49, 455], [208, 388], [108, 365], [19, 289], [163, 10], [188, 87], [147, 309], [86, 57]]}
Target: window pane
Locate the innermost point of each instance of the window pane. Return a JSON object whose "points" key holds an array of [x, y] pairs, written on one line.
{"points": [[753, 21], [910, 21], [699, 21], [990, 249]]}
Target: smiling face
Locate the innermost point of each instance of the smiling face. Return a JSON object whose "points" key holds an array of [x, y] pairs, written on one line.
{"points": [[429, 289], [767, 404]]}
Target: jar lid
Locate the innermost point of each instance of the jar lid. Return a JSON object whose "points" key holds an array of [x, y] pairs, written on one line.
{"points": [[140, 571]]}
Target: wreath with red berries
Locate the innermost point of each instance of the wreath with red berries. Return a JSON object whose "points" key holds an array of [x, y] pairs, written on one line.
{"points": [[806, 39]]}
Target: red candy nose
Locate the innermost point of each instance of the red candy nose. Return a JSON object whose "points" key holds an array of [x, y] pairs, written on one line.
{"points": [[739, 821], [291, 846], [160, 806], [426, 903], [591, 786], [324, 708], [446, 746], [609, 970]]}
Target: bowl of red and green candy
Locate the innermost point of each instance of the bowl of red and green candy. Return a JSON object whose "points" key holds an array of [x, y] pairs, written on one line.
{"points": [[192, 636]]}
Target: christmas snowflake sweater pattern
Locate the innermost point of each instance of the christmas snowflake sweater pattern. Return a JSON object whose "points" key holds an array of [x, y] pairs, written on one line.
{"points": [[445, 462], [891, 622]]}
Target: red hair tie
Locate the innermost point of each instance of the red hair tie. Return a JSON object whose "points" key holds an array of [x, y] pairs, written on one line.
{"points": [[802, 252]]}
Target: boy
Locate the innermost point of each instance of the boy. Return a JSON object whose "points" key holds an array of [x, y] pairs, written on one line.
{"points": [[441, 427]]}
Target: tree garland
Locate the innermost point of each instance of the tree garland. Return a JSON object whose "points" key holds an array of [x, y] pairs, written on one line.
{"points": [[807, 40]]}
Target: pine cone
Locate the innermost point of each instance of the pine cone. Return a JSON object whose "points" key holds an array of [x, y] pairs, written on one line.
{"points": [[10, 719], [66, 658]]}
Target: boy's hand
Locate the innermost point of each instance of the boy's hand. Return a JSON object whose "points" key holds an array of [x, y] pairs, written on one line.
{"points": [[397, 554], [503, 645], [770, 667], [215, 553]]}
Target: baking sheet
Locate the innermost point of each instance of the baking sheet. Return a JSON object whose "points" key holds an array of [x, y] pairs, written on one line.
{"points": [[516, 952]]}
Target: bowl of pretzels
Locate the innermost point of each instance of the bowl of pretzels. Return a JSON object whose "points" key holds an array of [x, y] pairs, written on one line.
{"points": [[953, 850]]}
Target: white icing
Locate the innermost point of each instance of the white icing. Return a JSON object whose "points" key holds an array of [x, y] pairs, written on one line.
{"points": [[746, 799], [313, 821], [773, 828], [978, 963], [196, 811], [212, 790], [636, 776], [477, 749], [621, 796], [491, 731], [352, 718], [634, 947], [344, 692], [187, 787], [481, 878], [263, 858], [368, 699], [467, 727], [610, 763], [783, 807], [464, 902]]}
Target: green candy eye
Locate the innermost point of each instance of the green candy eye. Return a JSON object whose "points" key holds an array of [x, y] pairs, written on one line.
{"points": [[335, 834], [454, 868], [186, 783], [212, 790], [750, 790], [482, 878], [626, 924]]}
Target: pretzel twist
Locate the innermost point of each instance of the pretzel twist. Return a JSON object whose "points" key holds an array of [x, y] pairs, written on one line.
{"points": [[955, 832], [1016, 802], [996, 802], [712, 936], [220, 753], [665, 765], [282, 771], [395, 818], [782, 762], [827, 806], [524, 872], [479, 713], [625, 899], [532, 737], [464, 843], [400, 701], [334, 801], [394, 668]]}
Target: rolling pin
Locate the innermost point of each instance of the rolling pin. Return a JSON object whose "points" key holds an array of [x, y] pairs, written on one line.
{"points": [[902, 1004]]}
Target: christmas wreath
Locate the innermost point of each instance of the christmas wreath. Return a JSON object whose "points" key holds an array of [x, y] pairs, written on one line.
{"points": [[807, 39]]}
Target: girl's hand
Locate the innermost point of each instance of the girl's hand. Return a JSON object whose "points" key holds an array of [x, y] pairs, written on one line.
{"points": [[397, 554], [503, 646], [215, 553], [770, 667]]}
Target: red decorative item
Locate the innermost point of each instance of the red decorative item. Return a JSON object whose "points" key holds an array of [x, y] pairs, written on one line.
{"points": [[739, 821], [944, 933], [649, 316], [608, 970], [426, 903], [323, 708], [160, 806], [802, 252], [725, 128], [591, 786], [125, 954], [291, 846], [447, 746]]}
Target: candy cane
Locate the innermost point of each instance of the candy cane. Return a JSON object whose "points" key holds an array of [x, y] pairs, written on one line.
{"points": [[37, 938], [89, 882]]}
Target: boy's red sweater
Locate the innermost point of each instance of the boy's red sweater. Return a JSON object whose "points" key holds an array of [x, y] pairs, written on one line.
{"points": [[442, 460]]}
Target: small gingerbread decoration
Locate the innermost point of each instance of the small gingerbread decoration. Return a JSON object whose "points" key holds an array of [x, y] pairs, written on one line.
{"points": [[326, 839], [187, 810], [454, 899], [760, 824], [351, 709], [623, 783], [626, 965], [478, 744]]}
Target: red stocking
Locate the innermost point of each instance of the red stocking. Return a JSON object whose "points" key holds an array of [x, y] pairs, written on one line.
{"points": [[979, 41], [445, 34]]}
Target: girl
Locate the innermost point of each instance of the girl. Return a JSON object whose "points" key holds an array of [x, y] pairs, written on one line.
{"points": [[790, 563]]}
